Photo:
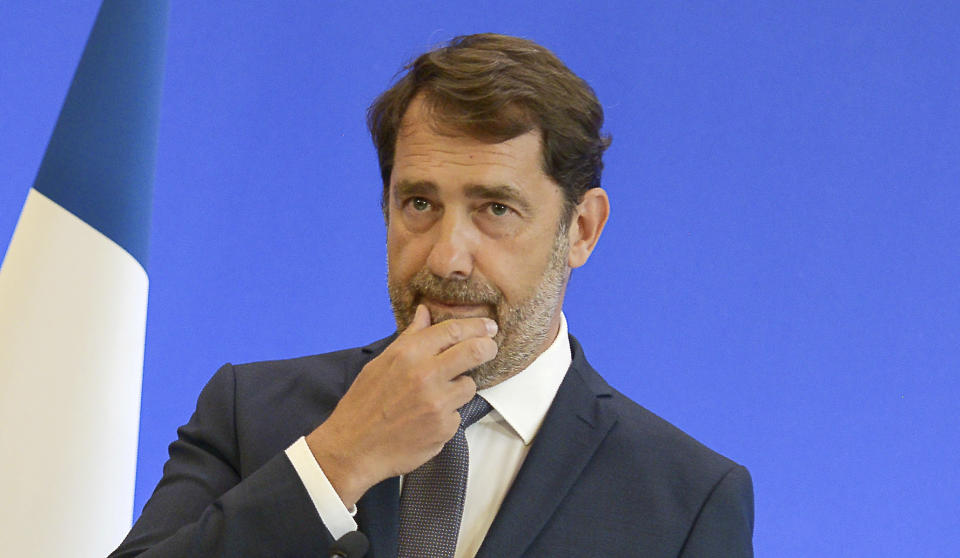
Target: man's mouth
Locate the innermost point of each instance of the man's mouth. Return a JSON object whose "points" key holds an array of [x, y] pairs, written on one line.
{"points": [[446, 309]]}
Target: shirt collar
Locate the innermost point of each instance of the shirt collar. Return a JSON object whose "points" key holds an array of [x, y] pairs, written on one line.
{"points": [[523, 399]]}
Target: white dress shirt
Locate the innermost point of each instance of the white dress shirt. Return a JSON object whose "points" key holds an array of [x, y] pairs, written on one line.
{"points": [[498, 443]]}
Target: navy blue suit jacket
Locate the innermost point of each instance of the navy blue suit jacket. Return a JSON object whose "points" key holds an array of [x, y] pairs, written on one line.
{"points": [[604, 476]]}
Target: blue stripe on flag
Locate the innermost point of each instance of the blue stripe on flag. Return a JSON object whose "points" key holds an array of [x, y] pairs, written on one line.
{"points": [[100, 161]]}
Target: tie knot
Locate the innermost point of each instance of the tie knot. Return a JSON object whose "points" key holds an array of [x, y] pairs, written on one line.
{"points": [[473, 411]]}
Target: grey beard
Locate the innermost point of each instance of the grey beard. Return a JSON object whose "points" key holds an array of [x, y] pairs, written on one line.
{"points": [[524, 328]]}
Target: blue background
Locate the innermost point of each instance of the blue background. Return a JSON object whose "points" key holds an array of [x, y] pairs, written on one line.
{"points": [[779, 276]]}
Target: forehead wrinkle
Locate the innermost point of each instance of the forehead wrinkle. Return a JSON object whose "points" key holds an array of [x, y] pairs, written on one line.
{"points": [[431, 160], [469, 149], [416, 139]]}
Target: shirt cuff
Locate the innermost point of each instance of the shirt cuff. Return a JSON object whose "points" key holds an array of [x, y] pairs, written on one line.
{"points": [[334, 514]]}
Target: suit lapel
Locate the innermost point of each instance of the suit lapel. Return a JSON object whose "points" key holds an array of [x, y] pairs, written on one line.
{"points": [[571, 432]]}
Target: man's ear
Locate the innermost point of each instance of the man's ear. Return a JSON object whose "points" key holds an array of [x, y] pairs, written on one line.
{"points": [[587, 223]]}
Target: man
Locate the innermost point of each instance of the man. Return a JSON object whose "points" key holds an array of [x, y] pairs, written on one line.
{"points": [[490, 152]]}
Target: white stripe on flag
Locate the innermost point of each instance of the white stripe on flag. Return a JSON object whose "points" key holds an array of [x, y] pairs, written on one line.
{"points": [[73, 308]]}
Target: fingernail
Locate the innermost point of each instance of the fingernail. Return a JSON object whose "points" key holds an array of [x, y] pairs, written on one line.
{"points": [[491, 326]]}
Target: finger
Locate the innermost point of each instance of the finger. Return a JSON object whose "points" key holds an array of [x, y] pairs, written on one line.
{"points": [[448, 333], [462, 390], [465, 355], [421, 320], [449, 427]]}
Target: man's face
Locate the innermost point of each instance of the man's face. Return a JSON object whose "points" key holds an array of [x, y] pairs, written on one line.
{"points": [[474, 229]]}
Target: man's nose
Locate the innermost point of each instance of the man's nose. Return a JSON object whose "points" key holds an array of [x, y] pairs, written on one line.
{"points": [[452, 255]]}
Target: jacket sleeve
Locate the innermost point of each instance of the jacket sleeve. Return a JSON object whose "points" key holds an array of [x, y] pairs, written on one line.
{"points": [[204, 507], [724, 526]]}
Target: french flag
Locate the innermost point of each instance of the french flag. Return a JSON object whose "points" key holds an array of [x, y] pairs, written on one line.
{"points": [[73, 301]]}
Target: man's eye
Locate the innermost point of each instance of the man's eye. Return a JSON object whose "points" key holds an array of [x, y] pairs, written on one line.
{"points": [[420, 204], [499, 209]]}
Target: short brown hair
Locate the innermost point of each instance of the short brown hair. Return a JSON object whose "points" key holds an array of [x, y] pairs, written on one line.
{"points": [[494, 88]]}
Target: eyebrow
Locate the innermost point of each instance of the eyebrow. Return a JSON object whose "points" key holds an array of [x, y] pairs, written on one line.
{"points": [[504, 192], [407, 188]]}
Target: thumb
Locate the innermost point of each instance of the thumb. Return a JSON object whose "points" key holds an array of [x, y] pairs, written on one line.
{"points": [[421, 320]]}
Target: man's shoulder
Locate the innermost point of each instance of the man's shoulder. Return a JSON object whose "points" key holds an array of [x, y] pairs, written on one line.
{"points": [[346, 361], [266, 405], [655, 438], [646, 440], [323, 376], [633, 473]]}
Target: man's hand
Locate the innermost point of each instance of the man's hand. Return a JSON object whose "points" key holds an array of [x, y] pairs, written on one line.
{"points": [[402, 408]]}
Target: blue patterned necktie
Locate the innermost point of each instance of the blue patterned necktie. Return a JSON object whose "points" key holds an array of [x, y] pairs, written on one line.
{"points": [[431, 502]]}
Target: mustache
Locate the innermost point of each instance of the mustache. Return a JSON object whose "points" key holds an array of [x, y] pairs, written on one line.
{"points": [[453, 291]]}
